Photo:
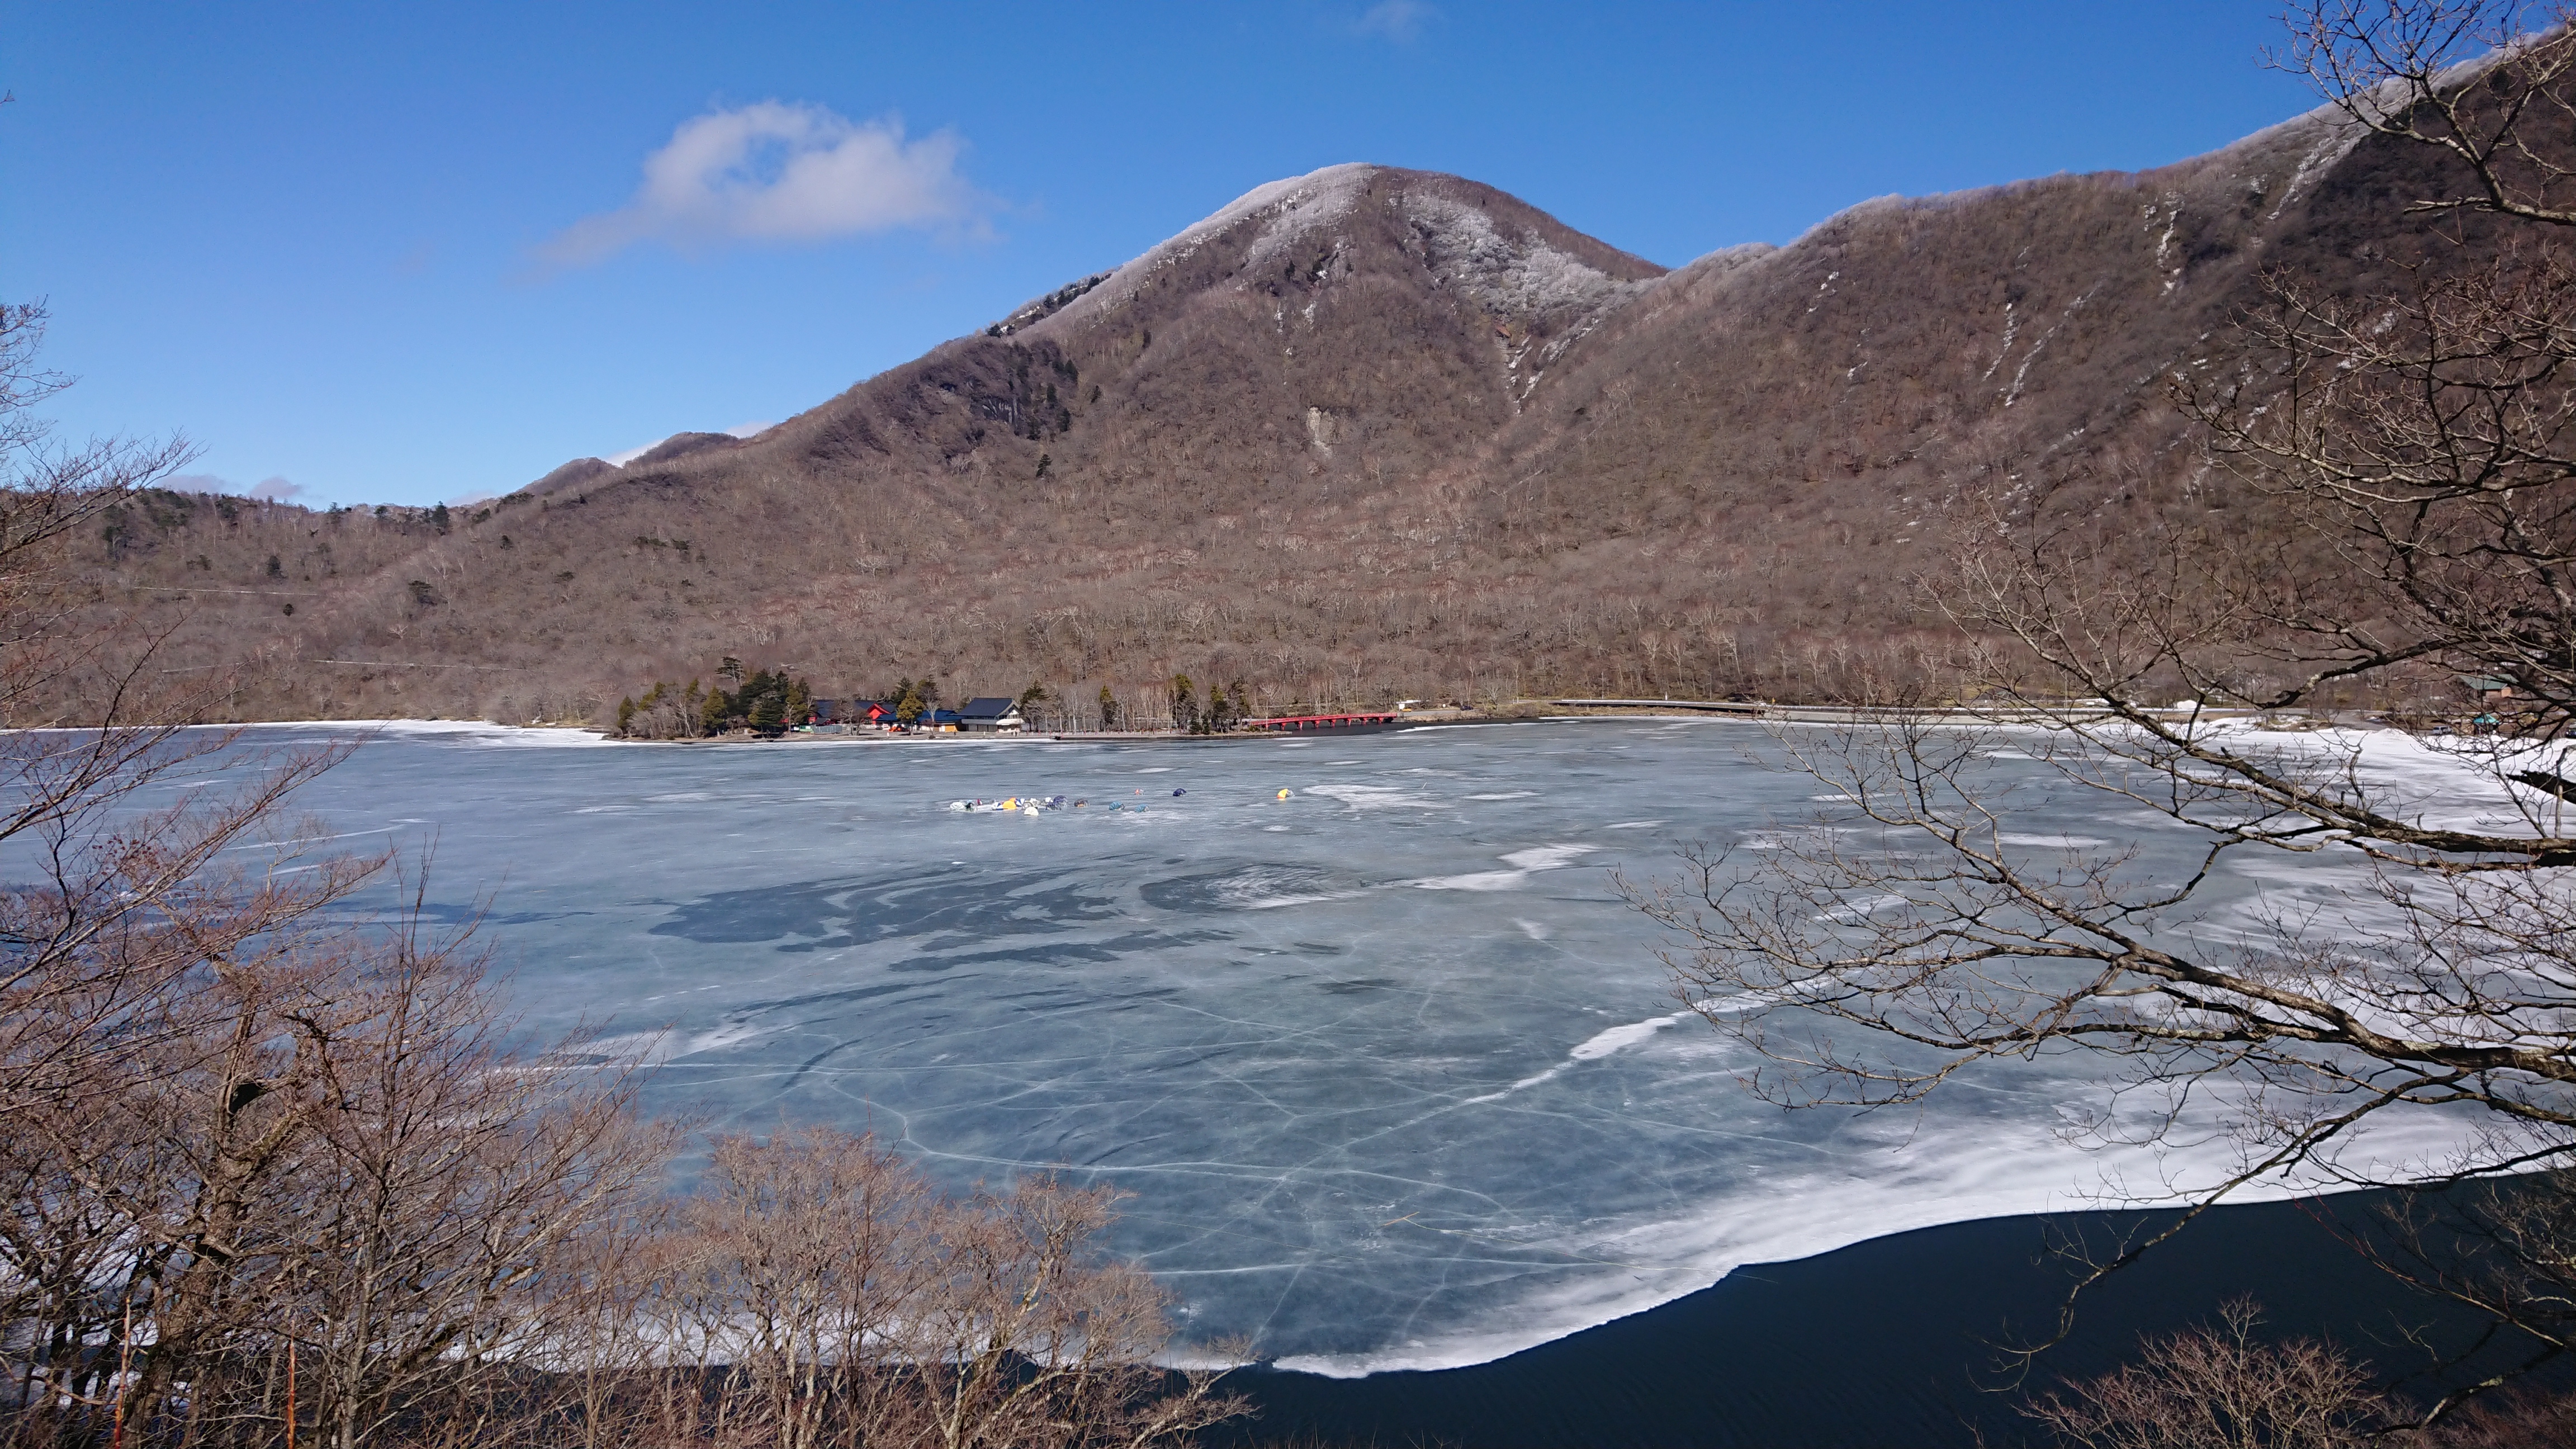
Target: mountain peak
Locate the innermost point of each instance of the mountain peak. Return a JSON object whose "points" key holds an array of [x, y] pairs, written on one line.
{"points": [[1322, 196], [1536, 283], [1371, 431]]}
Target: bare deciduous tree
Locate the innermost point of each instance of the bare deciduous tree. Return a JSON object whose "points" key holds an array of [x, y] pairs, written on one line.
{"points": [[279, 1170], [798, 1259], [2420, 436], [120, 902], [841, 1301], [2218, 1388], [1038, 1344], [445, 1179]]}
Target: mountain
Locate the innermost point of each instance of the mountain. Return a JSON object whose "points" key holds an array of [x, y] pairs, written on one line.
{"points": [[578, 472], [1363, 433]]}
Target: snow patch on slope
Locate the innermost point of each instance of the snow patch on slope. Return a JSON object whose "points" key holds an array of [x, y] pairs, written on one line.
{"points": [[1518, 276], [1515, 275], [1293, 205]]}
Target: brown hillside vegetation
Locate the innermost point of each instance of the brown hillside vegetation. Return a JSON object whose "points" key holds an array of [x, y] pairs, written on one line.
{"points": [[1364, 433]]}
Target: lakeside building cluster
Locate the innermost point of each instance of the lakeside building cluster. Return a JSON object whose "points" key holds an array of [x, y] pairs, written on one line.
{"points": [[986, 714]]}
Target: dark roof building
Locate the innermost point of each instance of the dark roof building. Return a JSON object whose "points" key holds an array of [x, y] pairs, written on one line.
{"points": [[992, 714]]}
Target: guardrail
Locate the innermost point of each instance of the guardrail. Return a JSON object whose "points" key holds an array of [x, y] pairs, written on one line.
{"points": [[1295, 723]]}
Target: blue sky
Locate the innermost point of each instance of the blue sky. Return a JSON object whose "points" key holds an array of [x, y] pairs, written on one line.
{"points": [[404, 254]]}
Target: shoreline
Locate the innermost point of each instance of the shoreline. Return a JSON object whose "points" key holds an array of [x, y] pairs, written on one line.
{"points": [[1890, 1340], [1859, 1211], [1515, 712]]}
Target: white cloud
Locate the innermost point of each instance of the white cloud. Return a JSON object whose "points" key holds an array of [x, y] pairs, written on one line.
{"points": [[780, 172], [752, 429], [276, 490], [1398, 20]]}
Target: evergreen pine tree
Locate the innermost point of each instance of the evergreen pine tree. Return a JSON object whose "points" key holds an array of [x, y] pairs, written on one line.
{"points": [[1185, 704], [438, 518], [1108, 709], [713, 712], [1220, 714], [800, 702], [625, 716], [768, 714]]}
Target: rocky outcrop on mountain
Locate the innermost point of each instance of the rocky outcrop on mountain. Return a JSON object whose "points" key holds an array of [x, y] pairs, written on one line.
{"points": [[1363, 433]]}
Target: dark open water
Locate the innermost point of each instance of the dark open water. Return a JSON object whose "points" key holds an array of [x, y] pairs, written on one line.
{"points": [[1888, 1342]]}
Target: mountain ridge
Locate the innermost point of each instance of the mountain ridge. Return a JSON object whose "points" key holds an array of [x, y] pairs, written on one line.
{"points": [[1359, 433]]}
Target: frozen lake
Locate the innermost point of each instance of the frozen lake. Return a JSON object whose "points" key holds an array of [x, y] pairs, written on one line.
{"points": [[1394, 1077]]}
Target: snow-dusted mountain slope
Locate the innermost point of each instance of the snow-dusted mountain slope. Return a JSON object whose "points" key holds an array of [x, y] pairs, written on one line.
{"points": [[1360, 434]]}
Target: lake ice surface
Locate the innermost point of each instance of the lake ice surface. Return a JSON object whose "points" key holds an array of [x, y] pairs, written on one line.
{"points": [[1394, 1077]]}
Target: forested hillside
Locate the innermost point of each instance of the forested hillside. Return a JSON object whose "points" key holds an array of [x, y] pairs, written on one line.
{"points": [[1361, 434]]}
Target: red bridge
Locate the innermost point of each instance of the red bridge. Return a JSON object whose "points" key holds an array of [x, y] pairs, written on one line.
{"points": [[1318, 721]]}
